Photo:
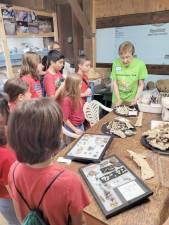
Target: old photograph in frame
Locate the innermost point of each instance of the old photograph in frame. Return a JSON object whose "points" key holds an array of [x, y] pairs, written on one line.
{"points": [[114, 186], [89, 148]]}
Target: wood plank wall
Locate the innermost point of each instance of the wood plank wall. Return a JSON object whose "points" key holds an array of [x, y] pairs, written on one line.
{"points": [[43, 5], [107, 8]]}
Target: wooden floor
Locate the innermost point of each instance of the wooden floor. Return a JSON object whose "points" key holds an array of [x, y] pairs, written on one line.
{"points": [[2, 220]]}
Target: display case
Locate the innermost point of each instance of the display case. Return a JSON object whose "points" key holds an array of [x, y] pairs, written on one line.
{"points": [[114, 186], [89, 148]]}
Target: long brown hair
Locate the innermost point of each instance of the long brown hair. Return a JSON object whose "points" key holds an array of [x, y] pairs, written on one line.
{"points": [[72, 89], [30, 61]]}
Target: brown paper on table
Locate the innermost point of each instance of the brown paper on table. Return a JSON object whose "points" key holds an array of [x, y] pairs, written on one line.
{"points": [[146, 171], [139, 120], [163, 169]]}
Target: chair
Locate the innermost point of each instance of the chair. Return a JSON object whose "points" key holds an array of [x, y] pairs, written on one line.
{"points": [[91, 111]]}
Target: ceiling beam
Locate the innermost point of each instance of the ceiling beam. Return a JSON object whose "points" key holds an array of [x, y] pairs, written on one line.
{"points": [[42, 5], [61, 1], [81, 17]]}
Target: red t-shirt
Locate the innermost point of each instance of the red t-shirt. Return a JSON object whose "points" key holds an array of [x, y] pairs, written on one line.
{"points": [[35, 86], [52, 82], [7, 158], [85, 83], [65, 197], [76, 117], [12, 106]]}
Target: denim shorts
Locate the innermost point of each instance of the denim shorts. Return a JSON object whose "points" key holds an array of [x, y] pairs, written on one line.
{"points": [[8, 212]]}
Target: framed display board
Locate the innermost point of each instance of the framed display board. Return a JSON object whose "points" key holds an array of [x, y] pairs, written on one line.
{"points": [[114, 186], [89, 148]]}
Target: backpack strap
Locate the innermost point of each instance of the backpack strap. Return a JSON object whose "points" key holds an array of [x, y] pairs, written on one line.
{"points": [[46, 189], [18, 189], [49, 185]]}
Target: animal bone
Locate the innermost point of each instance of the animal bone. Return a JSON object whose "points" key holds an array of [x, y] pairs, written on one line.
{"points": [[139, 120], [146, 171]]}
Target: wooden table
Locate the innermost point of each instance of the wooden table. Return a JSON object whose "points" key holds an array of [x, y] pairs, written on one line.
{"points": [[152, 212]]}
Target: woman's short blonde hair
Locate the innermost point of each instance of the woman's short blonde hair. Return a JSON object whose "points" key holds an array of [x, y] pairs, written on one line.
{"points": [[126, 47]]}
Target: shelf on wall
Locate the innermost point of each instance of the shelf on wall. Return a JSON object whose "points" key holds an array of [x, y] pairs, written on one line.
{"points": [[23, 35]]}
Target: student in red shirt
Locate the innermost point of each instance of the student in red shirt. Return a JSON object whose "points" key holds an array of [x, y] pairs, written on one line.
{"points": [[30, 73], [18, 90], [7, 158], [35, 146], [53, 77], [83, 70], [71, 104]]}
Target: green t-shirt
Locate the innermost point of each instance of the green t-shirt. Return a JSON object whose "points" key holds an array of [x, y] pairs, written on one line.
{"points": [[127, 78]]}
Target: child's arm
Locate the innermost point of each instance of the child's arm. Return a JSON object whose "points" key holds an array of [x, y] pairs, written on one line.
{"points": [[15, 204], [78, 219], [59, 90], [49, 86], [88, 92], [76, 130]]}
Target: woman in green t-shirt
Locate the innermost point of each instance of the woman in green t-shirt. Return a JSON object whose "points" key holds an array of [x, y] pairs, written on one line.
{"points": [[128, 74]]}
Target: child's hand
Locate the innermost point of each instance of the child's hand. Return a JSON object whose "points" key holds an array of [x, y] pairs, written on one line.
{"points": [[88, 92], [78, 131], [62, 85]]}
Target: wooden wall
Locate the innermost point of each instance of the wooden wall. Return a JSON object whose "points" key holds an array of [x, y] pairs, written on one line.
{"points": [[43, 5], [107, 8]]}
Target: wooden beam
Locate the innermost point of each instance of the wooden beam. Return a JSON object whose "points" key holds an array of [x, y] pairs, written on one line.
{"points": [[152, 69], [133, 19], [5, 48], [33, 4], [55, 27], [90, 44], [80, 16], [75, 38], [60, 1], [93, 24]]}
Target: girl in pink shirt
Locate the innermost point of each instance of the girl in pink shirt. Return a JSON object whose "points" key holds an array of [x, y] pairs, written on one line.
{"points": [[71, 104], [30, 73]]}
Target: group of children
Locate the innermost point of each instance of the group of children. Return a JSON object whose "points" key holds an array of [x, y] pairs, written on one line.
{"points": [[34, 135]]}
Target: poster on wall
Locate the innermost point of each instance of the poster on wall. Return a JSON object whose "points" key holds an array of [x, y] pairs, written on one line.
{"points": [[114, 186], [150, 41]]}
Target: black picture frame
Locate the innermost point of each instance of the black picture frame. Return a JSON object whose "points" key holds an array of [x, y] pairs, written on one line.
{"points": [[122, 197], [99, 150]]}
